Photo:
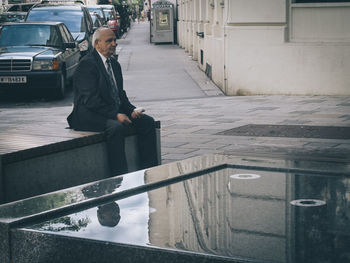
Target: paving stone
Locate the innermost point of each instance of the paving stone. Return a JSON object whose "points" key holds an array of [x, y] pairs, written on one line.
{"points": [[172, 144], [168, 150], [214, 146], [208, 131]]}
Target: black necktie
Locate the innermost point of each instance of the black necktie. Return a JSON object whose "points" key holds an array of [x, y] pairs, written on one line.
{"points": [[115, 91]]}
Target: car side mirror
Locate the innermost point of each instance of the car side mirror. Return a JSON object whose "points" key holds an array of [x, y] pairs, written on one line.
{"points": [[69, 45]]}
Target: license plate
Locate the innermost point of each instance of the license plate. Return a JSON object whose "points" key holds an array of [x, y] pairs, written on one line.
{"points": [[12, 79]]}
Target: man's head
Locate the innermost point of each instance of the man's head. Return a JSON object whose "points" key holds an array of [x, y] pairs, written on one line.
{"points": [[104, 40]]}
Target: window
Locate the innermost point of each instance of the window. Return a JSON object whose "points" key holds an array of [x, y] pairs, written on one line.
{"points": [[20, 7], [320, 21], [29, 35], [96, 10], [74, 20], [319, 1], [68, 34], [63, 34], [163, 19]]}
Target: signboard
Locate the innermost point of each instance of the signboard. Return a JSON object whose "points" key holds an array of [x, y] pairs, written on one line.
{"points": [[162, 24]]}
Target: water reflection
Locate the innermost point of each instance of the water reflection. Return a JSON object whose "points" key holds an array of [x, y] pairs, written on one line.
{"points": [[123, 221], [108, 214], [79, 194], [66, 223], [69, 196], [218, 214], [102, 188], [254, 219], [322, 233]]}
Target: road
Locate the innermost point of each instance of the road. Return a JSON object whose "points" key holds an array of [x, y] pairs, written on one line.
{"points": [[32, 99]]}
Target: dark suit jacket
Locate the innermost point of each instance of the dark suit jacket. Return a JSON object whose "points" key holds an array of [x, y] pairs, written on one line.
{"points": [[93, 102]]}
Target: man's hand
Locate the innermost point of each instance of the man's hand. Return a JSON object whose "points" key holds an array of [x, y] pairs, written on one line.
{"points": [[122, 118], [136, 114]]}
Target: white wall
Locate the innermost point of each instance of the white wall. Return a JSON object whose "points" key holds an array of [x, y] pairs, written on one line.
{"points": [[271, 46]]}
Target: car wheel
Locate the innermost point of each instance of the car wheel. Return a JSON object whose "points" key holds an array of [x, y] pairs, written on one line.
{"points": [[61, 87]]}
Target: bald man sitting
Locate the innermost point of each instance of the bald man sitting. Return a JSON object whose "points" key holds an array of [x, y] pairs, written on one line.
{"points": [[101, 104]]}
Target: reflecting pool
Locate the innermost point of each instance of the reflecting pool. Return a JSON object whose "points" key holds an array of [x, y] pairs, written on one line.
{"points": [[230, 213]]}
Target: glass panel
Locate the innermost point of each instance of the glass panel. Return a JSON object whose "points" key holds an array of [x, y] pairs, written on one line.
{"points": [[96, 10], [29, 35], [63, 34], [74, 20], [163, 19]]}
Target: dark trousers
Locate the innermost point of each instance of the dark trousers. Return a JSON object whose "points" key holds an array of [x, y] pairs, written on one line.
{"points": [[146, 138]]}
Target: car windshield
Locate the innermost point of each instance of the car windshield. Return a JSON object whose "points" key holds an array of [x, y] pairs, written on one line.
{"points": [[96, 10], [74, 20], [29, 35], [109, 14]]}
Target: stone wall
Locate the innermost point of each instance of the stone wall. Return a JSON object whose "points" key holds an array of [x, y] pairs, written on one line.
{"points": [[252, 47]]}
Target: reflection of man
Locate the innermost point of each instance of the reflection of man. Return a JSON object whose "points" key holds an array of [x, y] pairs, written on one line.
{"points": [[108, 214], [102, 188], [101, 104]]}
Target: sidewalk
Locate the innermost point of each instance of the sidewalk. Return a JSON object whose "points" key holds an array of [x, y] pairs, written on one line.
{"points": [[164, 80], [193, 111], [159, 72]]}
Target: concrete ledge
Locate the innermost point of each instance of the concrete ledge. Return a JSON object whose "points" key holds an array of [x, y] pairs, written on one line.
{"points": [[52, 148], [84, 250], [60, 165]]}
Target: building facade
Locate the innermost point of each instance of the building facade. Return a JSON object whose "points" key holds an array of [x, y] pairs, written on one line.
{"points": [[249, 47]]}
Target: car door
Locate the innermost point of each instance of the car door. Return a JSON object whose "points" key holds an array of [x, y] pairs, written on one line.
{"points": [[72, 55]]}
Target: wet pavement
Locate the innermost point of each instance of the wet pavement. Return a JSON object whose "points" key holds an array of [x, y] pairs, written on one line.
{"points": [[194, 113]]}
